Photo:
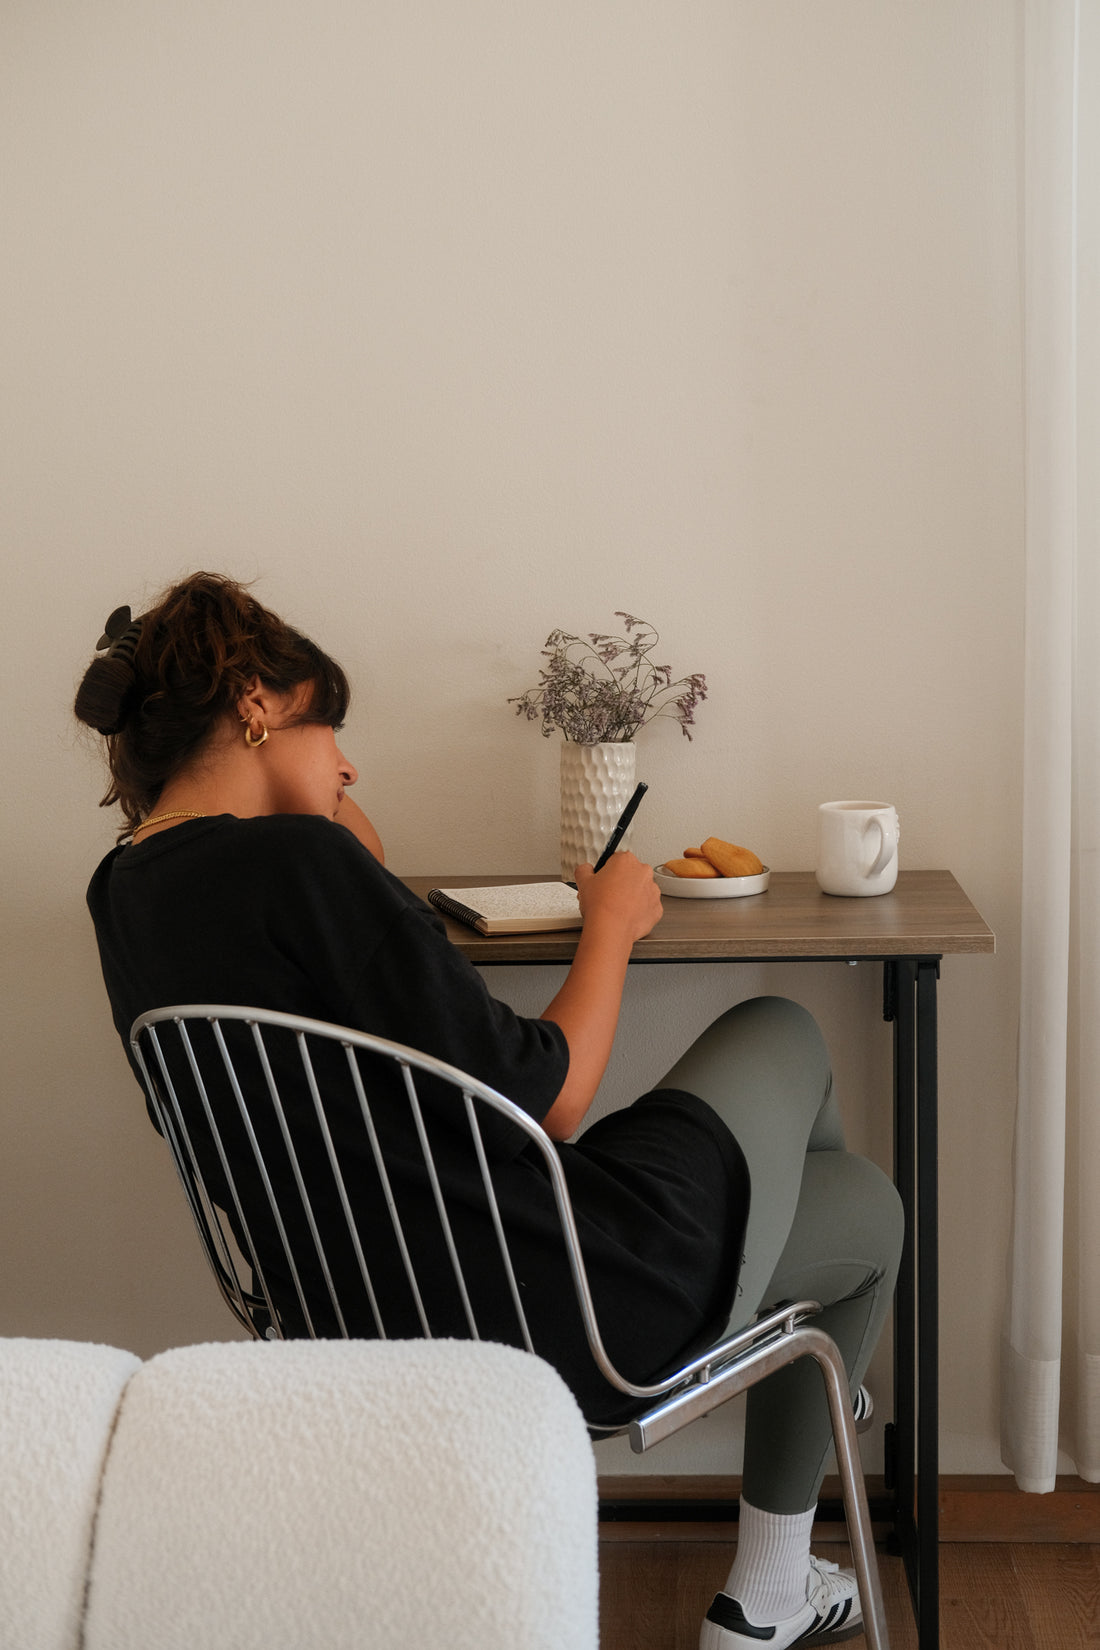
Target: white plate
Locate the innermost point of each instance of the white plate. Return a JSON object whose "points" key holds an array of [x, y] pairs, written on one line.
{"points": [[710, 887]]}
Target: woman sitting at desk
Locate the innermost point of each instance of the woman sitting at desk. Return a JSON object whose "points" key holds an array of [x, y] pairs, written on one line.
{"points": [[246, 874]]}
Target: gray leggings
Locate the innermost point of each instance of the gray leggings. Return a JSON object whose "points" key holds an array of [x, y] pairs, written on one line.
{"points": [[824, 1225]]}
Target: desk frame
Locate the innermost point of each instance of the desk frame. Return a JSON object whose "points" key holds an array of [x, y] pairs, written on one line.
{"points": [[909, 932], [912, 1439]]}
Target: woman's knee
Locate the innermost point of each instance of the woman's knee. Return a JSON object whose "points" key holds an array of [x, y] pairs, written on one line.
{"points": [[782, 1037], [774, 1030], [772, 1017], [764, 1068]]}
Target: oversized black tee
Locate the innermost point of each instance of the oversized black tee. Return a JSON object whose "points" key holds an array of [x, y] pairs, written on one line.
{"points": [[291, 912]]}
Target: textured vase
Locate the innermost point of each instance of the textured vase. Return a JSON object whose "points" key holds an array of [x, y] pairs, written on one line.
{"points": [[597, 781]]}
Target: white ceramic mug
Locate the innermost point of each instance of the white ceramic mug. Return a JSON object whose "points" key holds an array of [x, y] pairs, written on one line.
{"points": [[857, 847]]}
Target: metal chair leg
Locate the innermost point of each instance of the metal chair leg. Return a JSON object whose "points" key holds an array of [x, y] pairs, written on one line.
{"points": [[824, 1351], [799, 1340]]}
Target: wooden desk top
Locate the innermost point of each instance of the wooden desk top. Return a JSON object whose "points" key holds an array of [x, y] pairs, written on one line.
{"points": [[927, 915]]}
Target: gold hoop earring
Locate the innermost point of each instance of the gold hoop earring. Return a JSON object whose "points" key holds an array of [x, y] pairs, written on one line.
{"points": [[253, 744]]}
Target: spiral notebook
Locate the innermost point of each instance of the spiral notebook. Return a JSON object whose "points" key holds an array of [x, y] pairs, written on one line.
{"points": [[513, 908]]}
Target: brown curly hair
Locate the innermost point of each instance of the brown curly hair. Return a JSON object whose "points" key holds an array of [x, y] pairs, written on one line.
{"points": [[176, 672]]}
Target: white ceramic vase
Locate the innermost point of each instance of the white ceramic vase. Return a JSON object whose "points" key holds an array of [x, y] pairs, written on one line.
{"points": [[597, 781]]}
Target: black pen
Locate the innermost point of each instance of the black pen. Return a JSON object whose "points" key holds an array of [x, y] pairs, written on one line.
{"points": [[620, 830]]}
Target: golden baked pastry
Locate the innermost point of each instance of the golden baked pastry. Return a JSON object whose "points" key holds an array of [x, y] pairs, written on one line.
{"points": [[691, 867], [731, 861]]}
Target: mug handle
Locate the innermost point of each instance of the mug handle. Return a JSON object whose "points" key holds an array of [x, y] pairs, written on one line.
{"points": [[887, 846]]}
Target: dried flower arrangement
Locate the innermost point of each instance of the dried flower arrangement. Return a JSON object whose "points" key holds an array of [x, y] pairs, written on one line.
{"points": [[602, 689]]}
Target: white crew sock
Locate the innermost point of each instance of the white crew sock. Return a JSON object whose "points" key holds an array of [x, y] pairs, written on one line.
{"points": [[769, 1573]]}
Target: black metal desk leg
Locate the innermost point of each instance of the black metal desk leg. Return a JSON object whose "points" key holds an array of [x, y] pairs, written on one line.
{"points": [[913, 1448], [928, 1313]]}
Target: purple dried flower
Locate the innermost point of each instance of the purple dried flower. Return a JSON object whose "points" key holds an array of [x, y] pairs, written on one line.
{"points": [[605, 688]]}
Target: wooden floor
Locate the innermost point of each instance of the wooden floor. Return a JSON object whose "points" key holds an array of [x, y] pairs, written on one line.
{"points": [[654, 1593]]}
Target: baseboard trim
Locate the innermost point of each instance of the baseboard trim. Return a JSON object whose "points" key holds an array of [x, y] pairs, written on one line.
{"points": [[973, 1507]]}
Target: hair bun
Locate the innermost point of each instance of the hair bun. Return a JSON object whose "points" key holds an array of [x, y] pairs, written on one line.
{"points": [[102, 697]]}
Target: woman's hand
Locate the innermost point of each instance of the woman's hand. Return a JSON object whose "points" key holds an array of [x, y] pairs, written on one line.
{"points": [[620, 904], [623, 893]]}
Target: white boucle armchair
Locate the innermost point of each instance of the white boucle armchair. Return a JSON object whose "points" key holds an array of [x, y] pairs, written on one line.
{"points": [[399, 1495]]}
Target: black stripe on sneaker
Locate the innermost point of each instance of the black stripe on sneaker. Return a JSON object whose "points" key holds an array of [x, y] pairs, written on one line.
{"points": [[824, 1629], [726, 1612], [837, 1615]]}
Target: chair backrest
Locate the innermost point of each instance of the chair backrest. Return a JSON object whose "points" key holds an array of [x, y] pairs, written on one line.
{"points": [[312, 1157]]}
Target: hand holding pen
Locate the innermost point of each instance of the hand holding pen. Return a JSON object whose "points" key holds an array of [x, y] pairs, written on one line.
{"points": [[625, 891], [621, 828]]}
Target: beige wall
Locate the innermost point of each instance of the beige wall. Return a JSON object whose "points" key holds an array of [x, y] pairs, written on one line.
{"points": [[450, 323]]}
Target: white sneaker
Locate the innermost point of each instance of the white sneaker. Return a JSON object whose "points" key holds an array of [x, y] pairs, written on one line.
{"points": [[863, 1409], [830, 1614]]}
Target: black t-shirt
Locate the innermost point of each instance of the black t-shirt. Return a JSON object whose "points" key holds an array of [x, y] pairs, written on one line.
{"points": [[291, 912]]}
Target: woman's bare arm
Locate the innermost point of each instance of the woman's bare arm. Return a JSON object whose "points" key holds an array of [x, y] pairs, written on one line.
{"points": [[620, 905]]}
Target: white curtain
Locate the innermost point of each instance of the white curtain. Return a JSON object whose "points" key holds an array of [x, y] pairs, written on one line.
{"points": [[1051, 1396]]}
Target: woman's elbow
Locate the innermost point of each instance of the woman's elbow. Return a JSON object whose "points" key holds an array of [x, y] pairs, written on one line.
{"points": [[566, 1114]]}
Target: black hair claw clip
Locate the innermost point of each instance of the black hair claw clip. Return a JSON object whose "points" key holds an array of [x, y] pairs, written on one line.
{"points": [[121, 635]]}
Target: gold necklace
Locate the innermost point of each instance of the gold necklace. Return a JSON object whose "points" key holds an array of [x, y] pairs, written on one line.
{"points": [[158, 819]]}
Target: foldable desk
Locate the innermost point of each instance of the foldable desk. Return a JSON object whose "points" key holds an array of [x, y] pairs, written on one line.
{"points": [[925, 918]]}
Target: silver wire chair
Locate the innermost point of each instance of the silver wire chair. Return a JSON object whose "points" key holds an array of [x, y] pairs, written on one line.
{"points": [[264, 1111]]}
